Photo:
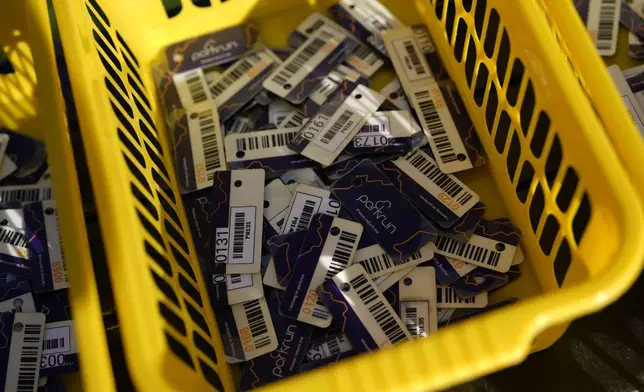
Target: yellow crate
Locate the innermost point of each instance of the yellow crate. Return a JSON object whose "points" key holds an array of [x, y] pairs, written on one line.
{"points": [[578, 205]]}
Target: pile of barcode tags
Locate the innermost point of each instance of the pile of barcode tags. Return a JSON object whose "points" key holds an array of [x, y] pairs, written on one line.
{"points": [[37, 330], [326, 215]]}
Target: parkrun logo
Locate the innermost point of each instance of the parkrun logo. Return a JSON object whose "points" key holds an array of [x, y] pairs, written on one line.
{"points": [[376, 210], [211, 48], [279, 355]]}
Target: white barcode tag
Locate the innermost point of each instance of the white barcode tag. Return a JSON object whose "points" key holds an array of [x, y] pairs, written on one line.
{"points": [[247, 330], [384, 282], [446, 298], [26, 193], [416, 316], [427, 100], [631, 103], [479, 250], [361, 311], [294, 80], [420, 286], [362, 59], [308, 201], [306, 176], [329, 348], [206, 141], [277, 199], [445, 198], [325, 136], [377, 262], [329, 247], [603, 24], [395, 93], [59, 347], [192, 87], [22, 347]]}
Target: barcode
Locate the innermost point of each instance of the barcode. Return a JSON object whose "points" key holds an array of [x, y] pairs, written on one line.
{"points": [[411, 321], [306, 215], [196, 88], [209, 142], [320, 311], [334, 346], [235, 278], [239, 224], [447, 295], [29, 361], [414, 57], [25, 195], [606, 26], [234, 74], [250, 143], [339, 125], [378, 310], [315, 26], [293, 120], [435, 127], [447, 184], [52, 344], [342, 254], [240, 125], [300, 59], [382, 261], [12, 237], [62, 249], [374, 128], [257, 324], [467, 251], [365, 54]]}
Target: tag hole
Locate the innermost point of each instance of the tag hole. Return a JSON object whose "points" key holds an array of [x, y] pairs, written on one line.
{"points": [[393, 95], [356, 181], [17, 302], [4, 222], [500, 247], [291, 182], [287, 86], [352, 6], [461, 157], [47, 176], [309, 30], [49, 211], [358, 96], [240, 154], [17, 327], [238, 183], [407, 281], [345, 287], [334, 231], [193, 116], [266, 204]]}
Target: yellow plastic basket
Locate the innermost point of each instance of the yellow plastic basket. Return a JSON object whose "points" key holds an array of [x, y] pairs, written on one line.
{"points": [[564, 161]]}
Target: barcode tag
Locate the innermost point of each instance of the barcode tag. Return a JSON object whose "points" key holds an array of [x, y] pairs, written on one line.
{"points": [[482, 280], [416, 316], [602, 21], [192, 88], [442, 127], [303, 176], [387, 132], [26, 193], [386, 214], [329, 247], [198, 147], [237, 211], [21, 350], [308, 201], [492, 246], [246, 330], [384, 282], [329, 348], [277, 199], [446, 297], [59, 350], [299, 74], [293, 338], [14, 252], [395, 93], [367, 19], [242, 81], [49, 267], [15, 296], [266, 150], [443, 197], [361, 311], [325, 136], [450, 270], [378, 263], [420, 286], [362, 59], [631, 103], [284, 250]]}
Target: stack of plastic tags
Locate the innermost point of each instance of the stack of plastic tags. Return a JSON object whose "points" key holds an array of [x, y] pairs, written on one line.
{"points": [[34, 308], [328, 213]]}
